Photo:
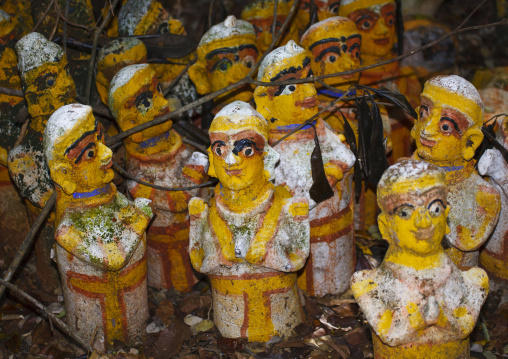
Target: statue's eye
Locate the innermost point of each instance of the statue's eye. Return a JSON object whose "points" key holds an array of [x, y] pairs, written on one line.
{"points": [[222, 65], [248, 61], [334, 9], [90, 154], [423, 111], [446, 126], [218, 151], [248, 151], [436, 208], [159, 88], [50, 81], [163, 28], [285, 90], [144, 102], [404, 212]]}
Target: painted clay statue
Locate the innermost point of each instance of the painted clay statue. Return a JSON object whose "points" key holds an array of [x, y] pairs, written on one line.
{"points": [[148, 17], [48, 86], [333, 45], [494, 256], [13, 218], [157, 155], [100, 237], [418, 303], [226, 53], [332, 257], [324, 10], [447, 134], [253, 237], [376, 22], [260, 14], [113, 57]]}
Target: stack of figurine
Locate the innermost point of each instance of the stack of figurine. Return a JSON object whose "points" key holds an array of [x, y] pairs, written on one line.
{"points": [[265, 233]]}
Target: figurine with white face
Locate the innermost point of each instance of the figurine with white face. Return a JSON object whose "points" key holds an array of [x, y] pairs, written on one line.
{"points": [[417, 302], [253, 237], [447, 134], [332, 258], [100, 236]]}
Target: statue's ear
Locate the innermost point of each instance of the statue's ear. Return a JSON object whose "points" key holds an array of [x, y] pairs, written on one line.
{"points": [[413, 130], [211, 168], [471, 140], [61, 174], [383, 224], [199, 77], [260, 92]]}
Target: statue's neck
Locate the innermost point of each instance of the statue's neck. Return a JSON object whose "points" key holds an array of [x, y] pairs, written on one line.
{"points": [[243, 201], [416, 261], [94, 198], [455, 170]]}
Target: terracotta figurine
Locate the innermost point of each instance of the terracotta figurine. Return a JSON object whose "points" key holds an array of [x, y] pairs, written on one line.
{"points": [[113, 57], [260, 14], [48, 86], [100, 236], [417, 302], [447, 134], [253, 237], [226, 54], [148, 17], [494, 256], [157, 155], [332, 258], [324, 10]]}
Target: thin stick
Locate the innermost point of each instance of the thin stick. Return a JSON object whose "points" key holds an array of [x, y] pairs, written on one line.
{"points": [[57, 21], [195, 145], [43, 16], [162, 188], [65, 26], [52, 318], [11, 92], [27, 243], [91, 65], [176, 79], [274, 23], [22, 133]]}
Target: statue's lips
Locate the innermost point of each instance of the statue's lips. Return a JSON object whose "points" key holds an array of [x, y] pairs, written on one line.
{"points": [[308, 102], [233, 172], [424, 233], [426, 142], [107, 166], [383, 41]]}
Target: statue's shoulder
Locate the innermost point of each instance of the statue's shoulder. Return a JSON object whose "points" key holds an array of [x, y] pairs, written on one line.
{"points": [[364, 282], [197, 207]]}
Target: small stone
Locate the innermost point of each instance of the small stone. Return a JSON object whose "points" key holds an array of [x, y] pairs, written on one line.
{"points": [[155, 327], [476, 348], [192, 320]]}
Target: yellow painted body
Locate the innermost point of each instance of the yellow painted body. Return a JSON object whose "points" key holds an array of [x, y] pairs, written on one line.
{"points": [[114, 62], [212, 73], [260, 15], [418, 303], [452, 350]]}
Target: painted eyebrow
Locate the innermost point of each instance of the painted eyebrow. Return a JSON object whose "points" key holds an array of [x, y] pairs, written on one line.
{"points": [[241, 144], [365, 16], [455, 125], [218, 142], [90, 145], [230, 50], [324, 41], [335, 49], [402, 205], [86, 134], [291, 70]]}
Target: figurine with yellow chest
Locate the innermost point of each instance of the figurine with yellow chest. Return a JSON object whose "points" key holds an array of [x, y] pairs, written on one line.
{"points": [[417, 302], [253, 237], [332, 257], [157, 155], [100, 234], [447, 134]]}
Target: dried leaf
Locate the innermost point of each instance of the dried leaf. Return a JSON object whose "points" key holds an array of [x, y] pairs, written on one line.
{"points": [[14, 343], [230, 345], [359, 336], [167, 343], [320, 190]]}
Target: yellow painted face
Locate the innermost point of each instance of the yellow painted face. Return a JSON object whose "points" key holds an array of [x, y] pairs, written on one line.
{"points": [[444, 131], [84, 156], [262, 19], [48, 87], [334, 46], [158, 21], [223, 62], [375, 20], [414, 213], [237, 158], [141, 100], [114, 62], [325, 9], [287, 104]]}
